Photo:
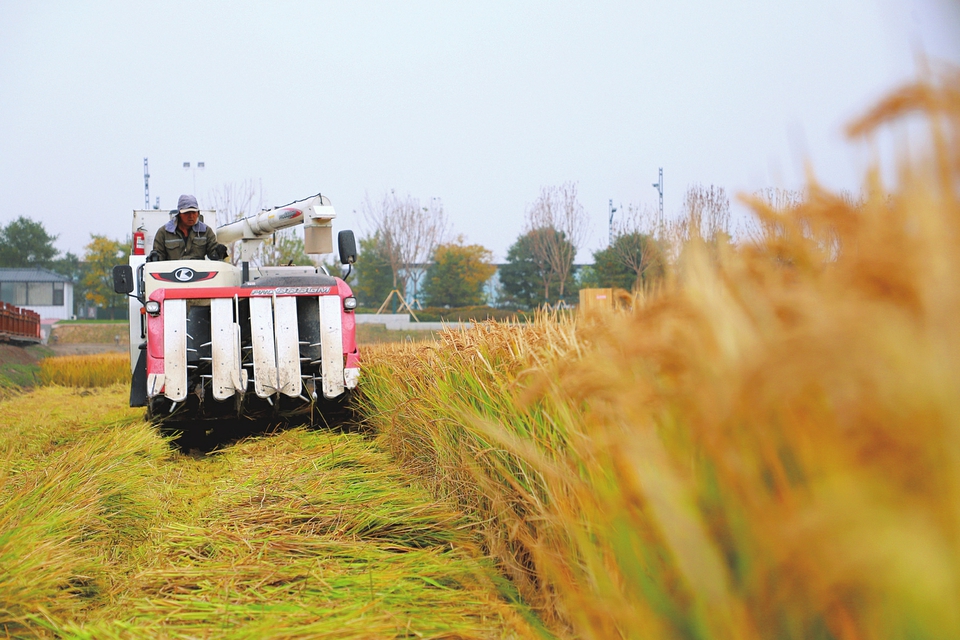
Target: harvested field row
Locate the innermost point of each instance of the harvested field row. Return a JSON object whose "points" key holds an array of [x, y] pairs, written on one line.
{"points": [[107, 532]]}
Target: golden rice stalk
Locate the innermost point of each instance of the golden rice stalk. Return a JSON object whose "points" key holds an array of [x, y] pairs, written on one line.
{"points": [[99, 370]]}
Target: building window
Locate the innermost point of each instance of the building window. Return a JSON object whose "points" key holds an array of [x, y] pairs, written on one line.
{"points": [[14, 293], [39, 294]]}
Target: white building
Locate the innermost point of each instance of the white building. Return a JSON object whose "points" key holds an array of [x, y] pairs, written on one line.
{"points": [[49, 294]]}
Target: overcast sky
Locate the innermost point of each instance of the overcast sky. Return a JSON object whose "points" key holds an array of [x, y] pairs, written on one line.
{"points": [[480, 104]]}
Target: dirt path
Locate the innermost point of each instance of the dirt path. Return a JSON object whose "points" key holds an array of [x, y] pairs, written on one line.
{"points": [[297, 534]]}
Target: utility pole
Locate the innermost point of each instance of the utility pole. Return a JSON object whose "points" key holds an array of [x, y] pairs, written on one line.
{"points": [[659, 187], [146, 185], [613, 210]]}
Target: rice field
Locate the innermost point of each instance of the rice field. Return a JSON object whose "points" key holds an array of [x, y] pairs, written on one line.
{"points": [[768, 446], [99, 370]]}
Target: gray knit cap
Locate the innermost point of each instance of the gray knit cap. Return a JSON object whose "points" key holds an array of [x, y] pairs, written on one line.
{"points": [[187, 203]]}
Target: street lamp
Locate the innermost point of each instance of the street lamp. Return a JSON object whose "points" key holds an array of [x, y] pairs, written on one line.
{"points": [[200, 166]]}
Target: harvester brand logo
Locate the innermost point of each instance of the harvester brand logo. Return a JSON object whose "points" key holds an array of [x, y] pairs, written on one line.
{"points": [[289, 291], [289, 213], [184, 274]]}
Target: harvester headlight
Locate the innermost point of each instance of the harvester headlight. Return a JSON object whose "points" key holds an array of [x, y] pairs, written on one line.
{"points": [[152, 307], [349, 303]]}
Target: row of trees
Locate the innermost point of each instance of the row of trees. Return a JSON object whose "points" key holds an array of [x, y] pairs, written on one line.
{"points": [[407, 241], [408, 248]]}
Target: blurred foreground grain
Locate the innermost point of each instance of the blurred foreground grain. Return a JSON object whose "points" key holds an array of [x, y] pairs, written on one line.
{"points": [[768, 447]]}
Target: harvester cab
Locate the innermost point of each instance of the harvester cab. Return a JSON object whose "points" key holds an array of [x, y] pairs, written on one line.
{"points": [[215, 340]]}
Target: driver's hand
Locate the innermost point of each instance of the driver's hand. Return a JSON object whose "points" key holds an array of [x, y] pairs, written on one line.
{"points": [[219, 252]]}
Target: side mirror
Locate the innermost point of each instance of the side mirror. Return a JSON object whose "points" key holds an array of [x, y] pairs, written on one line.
{"points": [[348, 247], [123, 278]]}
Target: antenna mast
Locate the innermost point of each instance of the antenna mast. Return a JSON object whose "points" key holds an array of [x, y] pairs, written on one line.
{"points": [[146, 185]]}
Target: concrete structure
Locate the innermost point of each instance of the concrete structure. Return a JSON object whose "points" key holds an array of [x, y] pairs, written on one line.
{"points": [[41, 290], [398, 321]]}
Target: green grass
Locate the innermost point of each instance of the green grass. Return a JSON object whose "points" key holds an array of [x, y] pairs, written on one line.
{"points": [[19, 366], [19, 375], [105, 532]]}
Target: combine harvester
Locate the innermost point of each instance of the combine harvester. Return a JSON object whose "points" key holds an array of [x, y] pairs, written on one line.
{"points": [[211, 341]]}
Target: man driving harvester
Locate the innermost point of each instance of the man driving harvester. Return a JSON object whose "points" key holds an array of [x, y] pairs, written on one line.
{"points": [[186, 237]]}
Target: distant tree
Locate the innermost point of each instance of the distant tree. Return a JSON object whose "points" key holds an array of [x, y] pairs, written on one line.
{"points": [[100, 256], [69, 265], [408, 234], [632, 260], [374, 273], [781, 199], [335, 268], [556, 209], [527, 279], [457, 275], [523, 279], [706, 215], [285, 247], [25, 243], [587, 277]]}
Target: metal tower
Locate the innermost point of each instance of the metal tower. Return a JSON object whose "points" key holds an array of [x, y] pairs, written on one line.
{"points": [[659, 187], [613, 210], [146, 185]]}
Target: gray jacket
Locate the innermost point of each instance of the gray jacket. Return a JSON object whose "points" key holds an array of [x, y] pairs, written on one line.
{"points": [[198, 244]]}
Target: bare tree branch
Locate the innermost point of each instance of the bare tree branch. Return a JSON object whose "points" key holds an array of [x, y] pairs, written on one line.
{"points": [[707, 211], [635, 244], [233, 201], [410, 232], [558, 209]]}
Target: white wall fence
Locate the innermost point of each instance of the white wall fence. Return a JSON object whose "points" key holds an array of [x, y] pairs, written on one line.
{"points": [[403, 321]]}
